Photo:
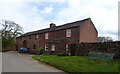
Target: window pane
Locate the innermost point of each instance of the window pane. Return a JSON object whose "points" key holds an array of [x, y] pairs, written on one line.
{"points": [[68, 33], [53, 47], [46, 35], [36, 36], [46, 48], [66, 47]]}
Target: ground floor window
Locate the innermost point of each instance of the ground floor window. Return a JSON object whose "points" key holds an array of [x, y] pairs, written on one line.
{"points": [[66, 47], [53, 47]]}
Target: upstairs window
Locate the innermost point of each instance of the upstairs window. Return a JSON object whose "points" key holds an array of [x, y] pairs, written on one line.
{"points": [[68, 33], [36, 36], [46, 35]]}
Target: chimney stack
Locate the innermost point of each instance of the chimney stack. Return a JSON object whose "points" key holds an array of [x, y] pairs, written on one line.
{"points": [[52, 25]]}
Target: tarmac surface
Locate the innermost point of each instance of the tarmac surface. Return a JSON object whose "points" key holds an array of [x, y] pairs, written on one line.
{"points": [[19, 62]]}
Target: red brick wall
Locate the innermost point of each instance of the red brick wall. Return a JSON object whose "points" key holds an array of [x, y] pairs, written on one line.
{"points": [[85, 33], [88, 33], [41, 41]]}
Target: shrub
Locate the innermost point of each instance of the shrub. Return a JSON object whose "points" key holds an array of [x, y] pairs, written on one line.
{"points": [[46, 53], [116, 56], [32, 51], [52, 52], [63, 54], [39, 51]]}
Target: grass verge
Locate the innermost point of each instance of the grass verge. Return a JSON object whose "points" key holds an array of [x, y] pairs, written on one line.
{"points": [[79, 63]]}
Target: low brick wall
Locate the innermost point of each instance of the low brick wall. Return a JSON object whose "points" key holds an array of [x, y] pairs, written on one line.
{"points": [[82, 49]]}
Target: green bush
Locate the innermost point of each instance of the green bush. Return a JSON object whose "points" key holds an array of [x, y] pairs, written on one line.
{"points": [[116, 56], [40, 51], [7, 44], [46, 53], [33, 51], [63, 54], [52, 52]]}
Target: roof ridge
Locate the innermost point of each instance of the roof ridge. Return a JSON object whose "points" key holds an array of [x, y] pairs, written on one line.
{"points": [[78, 21], [56, 28]]}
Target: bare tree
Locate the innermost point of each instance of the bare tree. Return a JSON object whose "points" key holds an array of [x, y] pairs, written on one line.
{"points": [[105, 39], [10, 29]]}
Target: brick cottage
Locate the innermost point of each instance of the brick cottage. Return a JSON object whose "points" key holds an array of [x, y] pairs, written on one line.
{"points": [[59, 37]]}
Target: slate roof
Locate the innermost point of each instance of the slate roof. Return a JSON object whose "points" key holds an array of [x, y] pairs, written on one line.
{"points": [[64, 26]]}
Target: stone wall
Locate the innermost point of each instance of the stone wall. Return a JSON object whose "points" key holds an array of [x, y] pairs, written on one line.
{"points": [[82, 49]]}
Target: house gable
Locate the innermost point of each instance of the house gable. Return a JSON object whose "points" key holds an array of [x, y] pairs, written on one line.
{"points": [[88, 32]]}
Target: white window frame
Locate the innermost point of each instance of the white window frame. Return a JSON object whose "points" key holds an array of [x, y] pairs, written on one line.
{"points": [[53, 47], [46, 47], [67, 47], [68, 33], [46, 35]]}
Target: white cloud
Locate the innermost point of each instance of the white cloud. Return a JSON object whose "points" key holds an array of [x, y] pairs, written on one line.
{"points": [[32, 0], [28, 18], [104, 14], [47, 10]]}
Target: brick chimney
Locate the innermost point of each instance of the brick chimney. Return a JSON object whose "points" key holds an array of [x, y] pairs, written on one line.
{"points": [[52, 25]]}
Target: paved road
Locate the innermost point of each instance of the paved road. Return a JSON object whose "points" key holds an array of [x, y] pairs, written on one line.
{"points": [[19, 62]]}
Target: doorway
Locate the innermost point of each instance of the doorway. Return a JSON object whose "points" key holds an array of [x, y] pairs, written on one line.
{"points": [[73, 49]]}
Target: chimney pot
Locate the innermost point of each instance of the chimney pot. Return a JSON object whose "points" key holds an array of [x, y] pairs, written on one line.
{"points": [[52, 25]]}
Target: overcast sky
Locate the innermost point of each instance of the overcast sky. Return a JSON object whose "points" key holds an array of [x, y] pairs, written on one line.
{"points": [[38, 14]]}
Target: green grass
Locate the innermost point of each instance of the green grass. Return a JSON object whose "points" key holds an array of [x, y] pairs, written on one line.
{"points": [[79, 63]]}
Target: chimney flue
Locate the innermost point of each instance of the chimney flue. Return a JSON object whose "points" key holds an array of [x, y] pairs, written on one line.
{"points": [[52, 25]]}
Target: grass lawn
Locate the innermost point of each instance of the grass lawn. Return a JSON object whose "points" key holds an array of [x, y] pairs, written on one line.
{"points": [[79, 63]]}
